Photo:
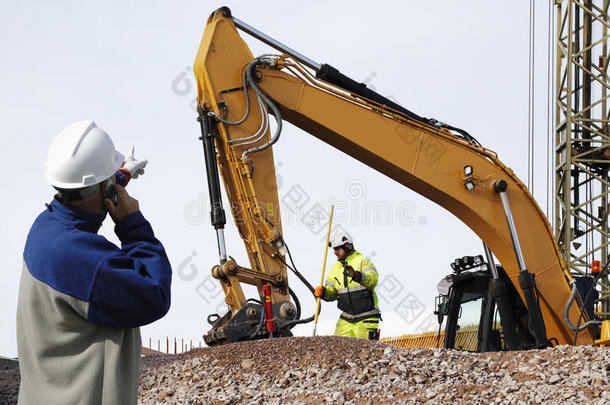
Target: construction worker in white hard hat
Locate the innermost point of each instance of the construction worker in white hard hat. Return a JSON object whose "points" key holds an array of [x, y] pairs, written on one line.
{"points": [[82, 298], [352, 281]]}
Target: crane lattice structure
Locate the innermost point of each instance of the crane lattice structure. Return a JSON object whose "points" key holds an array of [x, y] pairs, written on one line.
{"points": [[582, 137]]}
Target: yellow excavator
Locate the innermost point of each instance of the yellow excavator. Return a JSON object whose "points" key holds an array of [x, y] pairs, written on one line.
{"points": [[529, 299]]}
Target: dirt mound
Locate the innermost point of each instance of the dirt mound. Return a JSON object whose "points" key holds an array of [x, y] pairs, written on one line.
{"points": [[9, 386], [332, 369]]}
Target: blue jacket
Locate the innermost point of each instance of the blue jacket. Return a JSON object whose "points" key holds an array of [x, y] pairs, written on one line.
{"points": [[125, 287], [81, 300]]}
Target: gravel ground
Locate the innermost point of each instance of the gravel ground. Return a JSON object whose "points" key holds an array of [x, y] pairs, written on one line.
{"points": [[333, 369], [330, 369], [9, 386]]}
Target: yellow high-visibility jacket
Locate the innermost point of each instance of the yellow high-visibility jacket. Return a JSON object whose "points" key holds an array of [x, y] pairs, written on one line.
{"points": [[357, 300]]}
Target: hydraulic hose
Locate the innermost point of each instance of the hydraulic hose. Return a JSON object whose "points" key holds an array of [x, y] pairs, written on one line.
{"points": [[297, 303], [567, 309], [582, 310], [260, 324], [298, 319], [219, 118], [293, 268], [262, 130], [274, 108], [298, 274], [333, 76], [290, 324], [463, 133]]}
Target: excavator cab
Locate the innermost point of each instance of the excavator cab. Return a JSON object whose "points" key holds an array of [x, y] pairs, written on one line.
{"points": [[473, 317]]}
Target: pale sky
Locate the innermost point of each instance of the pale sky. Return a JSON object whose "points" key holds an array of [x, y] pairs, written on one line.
{"points": [[127, 66]]}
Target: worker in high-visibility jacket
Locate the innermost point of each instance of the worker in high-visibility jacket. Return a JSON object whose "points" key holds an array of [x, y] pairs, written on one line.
{"points": [[352, 281]]}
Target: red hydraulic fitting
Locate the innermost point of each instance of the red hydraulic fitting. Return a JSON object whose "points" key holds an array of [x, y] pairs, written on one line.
{"points": [[268, 309]]}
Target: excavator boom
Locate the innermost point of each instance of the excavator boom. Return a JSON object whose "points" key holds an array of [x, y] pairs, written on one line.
{"points": [[428, 157]]}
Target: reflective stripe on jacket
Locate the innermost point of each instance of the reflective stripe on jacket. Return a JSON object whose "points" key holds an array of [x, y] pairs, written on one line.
{"points": [[357, 300]]}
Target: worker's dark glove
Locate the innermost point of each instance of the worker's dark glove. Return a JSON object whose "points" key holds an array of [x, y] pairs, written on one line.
{"points": [[319, 292], [350, 272]]}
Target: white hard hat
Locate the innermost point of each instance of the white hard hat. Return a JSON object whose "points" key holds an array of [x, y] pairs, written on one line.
{"points": [[81, 155], [340, 239]]}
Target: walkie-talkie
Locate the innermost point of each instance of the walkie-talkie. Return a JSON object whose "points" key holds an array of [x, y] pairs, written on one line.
{"points": [[349, 294], [110, 192]]}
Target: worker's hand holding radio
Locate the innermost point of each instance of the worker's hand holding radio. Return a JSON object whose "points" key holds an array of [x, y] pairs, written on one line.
{"points": [[125, 204], [350, 272]]}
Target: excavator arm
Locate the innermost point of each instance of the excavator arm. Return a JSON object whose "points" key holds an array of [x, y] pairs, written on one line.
{"points": [[237, 92]]}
